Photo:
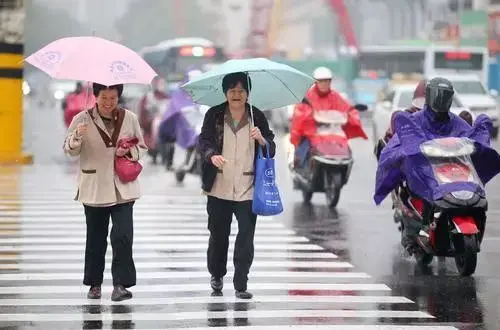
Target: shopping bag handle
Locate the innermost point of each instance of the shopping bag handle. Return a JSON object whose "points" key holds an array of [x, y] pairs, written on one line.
{"points": [[260, 154]]}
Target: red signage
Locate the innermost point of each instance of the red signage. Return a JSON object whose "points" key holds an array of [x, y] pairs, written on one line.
{"points": [[494, 33], [454, 56]]}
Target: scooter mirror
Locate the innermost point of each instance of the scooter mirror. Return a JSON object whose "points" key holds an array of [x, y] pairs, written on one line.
{"points": [[361, 107]]}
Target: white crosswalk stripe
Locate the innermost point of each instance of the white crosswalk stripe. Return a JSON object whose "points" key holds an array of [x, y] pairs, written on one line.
{"points": [[296, 283]]}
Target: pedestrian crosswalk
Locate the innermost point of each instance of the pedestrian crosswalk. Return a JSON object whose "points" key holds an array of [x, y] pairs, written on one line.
{"points": [[296, 284]]}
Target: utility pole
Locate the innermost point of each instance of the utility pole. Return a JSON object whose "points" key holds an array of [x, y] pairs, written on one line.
{"points": [[12, 15], [179, 20], [460, 5], [82, 11]]}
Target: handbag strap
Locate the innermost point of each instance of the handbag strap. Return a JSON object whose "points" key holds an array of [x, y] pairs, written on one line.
{"points": [[119, 116], [260, 153]]}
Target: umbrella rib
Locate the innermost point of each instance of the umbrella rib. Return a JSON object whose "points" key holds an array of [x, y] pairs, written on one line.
{"points": [[282, 82], [71, 52], [58, 71]]}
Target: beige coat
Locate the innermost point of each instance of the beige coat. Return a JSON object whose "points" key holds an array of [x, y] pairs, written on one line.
{"points": [[236, 179], [98, 184]]}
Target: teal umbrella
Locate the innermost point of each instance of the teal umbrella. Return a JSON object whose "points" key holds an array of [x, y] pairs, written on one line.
{"points": [[274, 85]]}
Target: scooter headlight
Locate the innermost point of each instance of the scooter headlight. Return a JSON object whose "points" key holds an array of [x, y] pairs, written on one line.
{"points": [[448, 147], [462, 194]]}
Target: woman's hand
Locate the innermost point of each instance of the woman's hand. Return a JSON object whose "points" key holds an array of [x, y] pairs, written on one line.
{"points": [[218, 160], [120, 152], [81, 130], [257, 136]]}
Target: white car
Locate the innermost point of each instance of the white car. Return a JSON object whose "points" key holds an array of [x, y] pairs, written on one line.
{"points": [[476, 98], [398, 97]]}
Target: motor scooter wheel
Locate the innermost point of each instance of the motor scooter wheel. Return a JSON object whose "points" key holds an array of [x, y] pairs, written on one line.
{"points": [[333, 197], [332, 189], [179, 176], [466, 260], [424, 259]]}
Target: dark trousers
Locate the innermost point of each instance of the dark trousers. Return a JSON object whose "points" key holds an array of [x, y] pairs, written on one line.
{"points": [[220, 216], [122, 235]]}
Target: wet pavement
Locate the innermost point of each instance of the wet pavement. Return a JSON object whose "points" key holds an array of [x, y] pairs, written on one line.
{"points": [[314, 268]]}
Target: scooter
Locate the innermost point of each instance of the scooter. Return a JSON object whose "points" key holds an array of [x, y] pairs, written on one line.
{"points": [[329, 161], [156, 148], [454, 225], [192, 163]]}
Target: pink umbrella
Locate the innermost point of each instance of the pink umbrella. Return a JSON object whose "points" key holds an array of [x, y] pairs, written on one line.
{"points": [[92, 59]]}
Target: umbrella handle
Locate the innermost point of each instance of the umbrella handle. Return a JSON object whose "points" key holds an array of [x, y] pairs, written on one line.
{"points": [[249, 102]]}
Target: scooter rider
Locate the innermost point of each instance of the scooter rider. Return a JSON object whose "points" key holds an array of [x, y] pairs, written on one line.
{"points": [[435, 118], [320, 97], [417, 105]]}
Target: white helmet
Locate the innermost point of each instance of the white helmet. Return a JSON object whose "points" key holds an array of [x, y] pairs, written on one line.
{"points": [[322, 73]]}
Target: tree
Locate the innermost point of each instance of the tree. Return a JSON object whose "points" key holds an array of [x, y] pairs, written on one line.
{"points": [[145, 25], [44, 25]]}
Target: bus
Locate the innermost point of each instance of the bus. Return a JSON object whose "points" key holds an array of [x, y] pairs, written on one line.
{"points": [[171, 58], [426, 60]]}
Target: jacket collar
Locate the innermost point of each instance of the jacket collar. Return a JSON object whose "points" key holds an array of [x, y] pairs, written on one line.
{"points": [[118, 116]]}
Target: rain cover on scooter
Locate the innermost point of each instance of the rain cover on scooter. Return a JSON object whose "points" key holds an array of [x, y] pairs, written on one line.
{"points": [[175, 125], [402, 158]]}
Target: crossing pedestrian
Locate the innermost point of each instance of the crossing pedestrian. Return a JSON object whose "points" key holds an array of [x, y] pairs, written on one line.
{"points": [[228, 143], [95, 136]]}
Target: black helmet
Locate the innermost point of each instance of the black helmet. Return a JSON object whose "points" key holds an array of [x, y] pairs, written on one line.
{"points": [[439, 94]]}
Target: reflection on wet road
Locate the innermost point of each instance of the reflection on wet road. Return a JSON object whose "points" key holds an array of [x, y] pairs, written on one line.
{"points": [[314, 268]]}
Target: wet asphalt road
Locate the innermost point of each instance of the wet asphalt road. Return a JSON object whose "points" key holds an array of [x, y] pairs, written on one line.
{"points": [[364, 281], [366, 235]]}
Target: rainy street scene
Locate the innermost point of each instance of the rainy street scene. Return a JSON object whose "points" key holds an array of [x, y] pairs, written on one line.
{"points": [[250, 164]]}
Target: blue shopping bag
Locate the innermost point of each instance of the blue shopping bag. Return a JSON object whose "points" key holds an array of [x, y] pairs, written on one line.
{"points": [[266, 196]]}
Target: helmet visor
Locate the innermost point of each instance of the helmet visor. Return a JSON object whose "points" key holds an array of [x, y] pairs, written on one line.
{"points": [[440, 99]]}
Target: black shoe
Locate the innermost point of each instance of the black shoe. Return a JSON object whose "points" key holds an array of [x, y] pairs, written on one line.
{"points": [[216, 294], [120, 293], [243, 294], [216, 283], [94, 293]]}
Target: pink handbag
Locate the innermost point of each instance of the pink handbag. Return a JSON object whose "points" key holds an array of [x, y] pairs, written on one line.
{"points": [[127, 170]]}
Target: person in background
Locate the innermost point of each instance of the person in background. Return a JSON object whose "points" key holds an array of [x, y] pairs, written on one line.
{"points": [[321, 96], [93, 136], [151, 106], [467, 116], [417, 105], [79, 100], [78, 90], [228, 143], [174, 128], [436, 120]]}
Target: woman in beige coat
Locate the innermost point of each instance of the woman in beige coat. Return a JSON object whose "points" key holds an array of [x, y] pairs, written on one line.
{"points": [[93, 135]]}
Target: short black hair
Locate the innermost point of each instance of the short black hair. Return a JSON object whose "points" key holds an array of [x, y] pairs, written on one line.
{"points": [[231, 80], [465, 115], [97, 88]]}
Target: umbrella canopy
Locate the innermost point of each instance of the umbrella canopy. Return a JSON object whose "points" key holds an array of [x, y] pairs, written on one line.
{"points": [[92, 59], [274, 85]]}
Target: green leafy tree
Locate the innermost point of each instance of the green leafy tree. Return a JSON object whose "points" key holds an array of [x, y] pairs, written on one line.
{"points": [[144, 25]]}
